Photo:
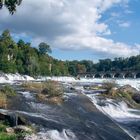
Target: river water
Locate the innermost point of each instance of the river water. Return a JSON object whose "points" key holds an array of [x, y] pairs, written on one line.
{"points": [[82, 116]]}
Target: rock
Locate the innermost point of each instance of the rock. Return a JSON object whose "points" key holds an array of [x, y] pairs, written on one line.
{"points": [[9, 117], [10, 130], [45, 91], [127, 89], [136, 98], [21, 128]]}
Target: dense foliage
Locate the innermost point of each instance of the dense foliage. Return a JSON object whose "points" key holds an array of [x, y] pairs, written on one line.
{"points": [[131, 64], [21, 57]]}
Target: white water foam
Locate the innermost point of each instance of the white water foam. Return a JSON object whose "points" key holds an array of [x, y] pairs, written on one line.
{"points": [[27, 94], [53, 135], [133, 82], [11, 78], [118, 111]]}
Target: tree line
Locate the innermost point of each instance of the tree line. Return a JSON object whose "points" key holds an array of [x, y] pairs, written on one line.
{"points": [[21, 57]]}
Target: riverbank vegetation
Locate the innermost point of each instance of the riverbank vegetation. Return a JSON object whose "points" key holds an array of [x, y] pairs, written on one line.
{"points": [[21, 57], [14, 133], [3, 134]]}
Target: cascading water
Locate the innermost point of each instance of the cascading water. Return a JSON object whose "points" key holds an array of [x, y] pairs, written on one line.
{"points": [[117, 110], [126, 117]]}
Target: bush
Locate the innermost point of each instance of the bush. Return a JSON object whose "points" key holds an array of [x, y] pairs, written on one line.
{"points": [[8, 90], [109, 85], [52, 89]]}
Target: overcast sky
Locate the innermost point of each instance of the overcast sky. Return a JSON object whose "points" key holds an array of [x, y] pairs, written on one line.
{"points": [[78, 29]]}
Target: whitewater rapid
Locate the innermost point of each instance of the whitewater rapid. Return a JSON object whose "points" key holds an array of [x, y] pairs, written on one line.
{"points": [[12, 78], [116, 110]]}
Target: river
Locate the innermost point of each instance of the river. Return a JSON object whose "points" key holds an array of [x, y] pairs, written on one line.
{"points": [[82, 116]]}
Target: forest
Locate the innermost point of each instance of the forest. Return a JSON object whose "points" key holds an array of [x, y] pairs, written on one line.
{"points": [[21, 57]]}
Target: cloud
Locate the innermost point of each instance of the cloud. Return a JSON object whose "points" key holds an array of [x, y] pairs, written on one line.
{"points": [[124, 24], [67, 24]]}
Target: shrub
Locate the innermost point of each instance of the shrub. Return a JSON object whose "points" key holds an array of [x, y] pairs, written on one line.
{"points": [[8, 90], [52, 89], [109, 85]]}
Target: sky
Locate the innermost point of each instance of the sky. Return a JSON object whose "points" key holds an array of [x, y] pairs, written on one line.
{"points": [[78, 29]]}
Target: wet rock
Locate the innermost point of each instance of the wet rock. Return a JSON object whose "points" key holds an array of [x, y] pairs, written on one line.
{"points": [[12, 118], [9, 117], [136, 98]]}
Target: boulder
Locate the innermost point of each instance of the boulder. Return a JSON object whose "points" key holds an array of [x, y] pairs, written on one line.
{"points": [[10, 130], [127, 89]]}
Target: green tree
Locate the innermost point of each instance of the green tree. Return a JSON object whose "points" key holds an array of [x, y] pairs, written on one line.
{"points": [[11, 5], [44, 48]]}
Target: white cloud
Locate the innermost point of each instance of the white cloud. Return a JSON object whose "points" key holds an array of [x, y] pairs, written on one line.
{"points": [[124, 24], [67, 24], [114, 14]]}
